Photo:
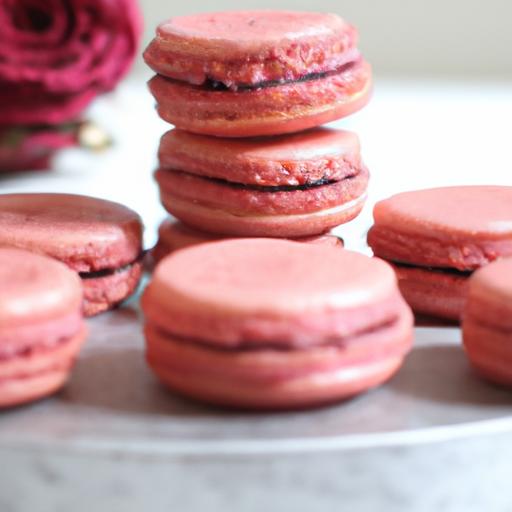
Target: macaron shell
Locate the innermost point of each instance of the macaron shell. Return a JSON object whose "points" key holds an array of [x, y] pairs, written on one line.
{"points": [[268, 379], [454, 227], [266, 365], [432, 293], [287, 108], [37, 334], [85, 233], [297, 159], [41, 326], [15, 392], [173, 235], [106, 292], [487, 322], [40, 359], [243, 200], [313, 390], [279, 226], [250, 47], [201, 293], [35, 288], [37, 374]]}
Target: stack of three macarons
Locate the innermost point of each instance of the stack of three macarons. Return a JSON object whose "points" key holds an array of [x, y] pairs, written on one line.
{"points": [[259, 322], [228, 81]]}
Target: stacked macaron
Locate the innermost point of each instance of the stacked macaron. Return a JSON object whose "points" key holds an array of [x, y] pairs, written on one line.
{"points": [[229, 80]]}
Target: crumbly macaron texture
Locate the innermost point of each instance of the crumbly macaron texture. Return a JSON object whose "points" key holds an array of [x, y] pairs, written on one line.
{"points": [[298, 159], [242, 200], [106, 292]]}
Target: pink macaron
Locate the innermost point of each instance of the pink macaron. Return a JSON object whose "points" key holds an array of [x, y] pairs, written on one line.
{"points": [[251, 73], [435, 239], [288, 186], [99, 239], [174, 235], [487, 322], [264, 323], [41, 325]]}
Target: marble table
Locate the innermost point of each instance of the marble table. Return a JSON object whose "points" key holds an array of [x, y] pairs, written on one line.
{"points": [[434, 438]]}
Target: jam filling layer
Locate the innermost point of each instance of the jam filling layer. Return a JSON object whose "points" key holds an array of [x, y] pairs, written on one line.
{"points": [[215, 85], [107, 272], [341, 343], [279, 188], [437, 270]]}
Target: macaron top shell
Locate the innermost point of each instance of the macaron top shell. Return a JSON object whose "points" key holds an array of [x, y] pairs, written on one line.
{"points": [[34, 288], [250, 47], [467, 211], [307, 157], [460, 228], [266, 289], [274, 276], [86, 233], [252, 29]]}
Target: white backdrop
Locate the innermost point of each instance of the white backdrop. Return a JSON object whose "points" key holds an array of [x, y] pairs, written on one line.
{"points": [[401, 37]]}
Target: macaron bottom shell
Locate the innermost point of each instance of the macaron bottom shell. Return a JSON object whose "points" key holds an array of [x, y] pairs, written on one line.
{"points": [[435, 293], [284, 226], [38, 372], [273, 110], [175, 235], [266, 378]]}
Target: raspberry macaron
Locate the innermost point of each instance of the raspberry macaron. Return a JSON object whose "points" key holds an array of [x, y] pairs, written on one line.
{"points": [[41, 325], [436, 238], [174, 235], [99, 239], [247, 73], [264, 323], [487, 322], [285, 186]]}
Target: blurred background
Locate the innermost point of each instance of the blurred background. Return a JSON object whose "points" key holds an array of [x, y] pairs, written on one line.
{"points": [[413, 38]]}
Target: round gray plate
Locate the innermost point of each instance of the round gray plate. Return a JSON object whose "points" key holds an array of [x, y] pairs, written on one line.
{"points": [[113, 402]]}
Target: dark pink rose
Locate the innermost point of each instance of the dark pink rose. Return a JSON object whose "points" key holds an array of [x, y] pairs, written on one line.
{"points": [[58, 55]]}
